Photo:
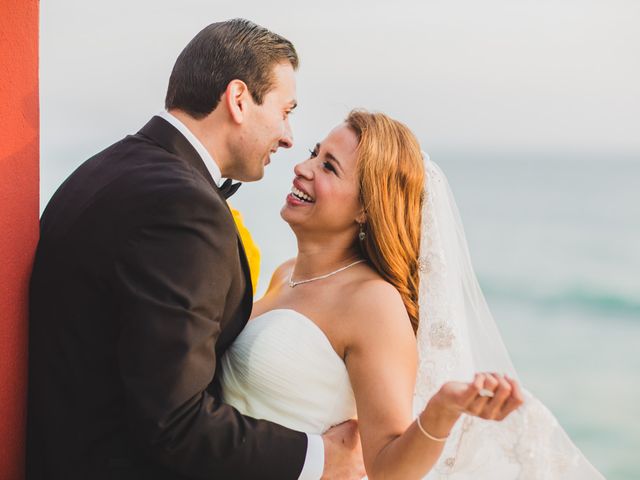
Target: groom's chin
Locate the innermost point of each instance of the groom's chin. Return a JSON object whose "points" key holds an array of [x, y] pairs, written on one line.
{"points": [[253, 176]]}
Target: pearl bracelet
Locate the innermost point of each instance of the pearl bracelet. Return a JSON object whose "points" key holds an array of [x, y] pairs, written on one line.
{"points": [[428, 435]]}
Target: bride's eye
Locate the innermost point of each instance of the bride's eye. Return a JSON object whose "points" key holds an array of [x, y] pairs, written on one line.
{"points": [[327, 166], [313, 153]]}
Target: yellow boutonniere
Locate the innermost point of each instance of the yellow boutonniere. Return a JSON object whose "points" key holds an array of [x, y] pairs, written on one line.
{"points": [[250, 247]]}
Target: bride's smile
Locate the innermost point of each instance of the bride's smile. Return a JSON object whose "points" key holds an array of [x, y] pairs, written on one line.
{"points": [[298, 193]]}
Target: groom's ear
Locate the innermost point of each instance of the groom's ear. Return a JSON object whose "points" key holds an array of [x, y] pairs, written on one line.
{"points": [[236, 97]]}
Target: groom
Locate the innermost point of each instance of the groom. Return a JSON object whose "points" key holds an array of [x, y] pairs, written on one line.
{"points": [[140, 284]]}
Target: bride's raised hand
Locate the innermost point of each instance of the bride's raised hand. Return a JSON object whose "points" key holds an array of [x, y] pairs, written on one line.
{"points": [[490, 396]]}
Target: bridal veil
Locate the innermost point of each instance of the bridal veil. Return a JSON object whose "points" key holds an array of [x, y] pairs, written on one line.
{"points": [[457, 337]]}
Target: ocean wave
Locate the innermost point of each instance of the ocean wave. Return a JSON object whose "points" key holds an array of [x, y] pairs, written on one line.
{"points": [[574, 298]]}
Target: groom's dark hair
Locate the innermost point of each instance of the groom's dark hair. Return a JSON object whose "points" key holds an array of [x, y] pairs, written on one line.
{"points": [[225, 51]]}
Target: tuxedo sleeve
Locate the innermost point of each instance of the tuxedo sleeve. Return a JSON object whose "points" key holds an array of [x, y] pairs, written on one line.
{"points": [[172, 278]]}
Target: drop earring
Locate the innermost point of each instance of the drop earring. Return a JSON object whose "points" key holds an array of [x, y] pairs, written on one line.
{"points": [[362, 235]]}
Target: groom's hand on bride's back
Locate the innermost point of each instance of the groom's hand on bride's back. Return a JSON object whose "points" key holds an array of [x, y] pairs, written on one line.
{"points": [[343, 452]]}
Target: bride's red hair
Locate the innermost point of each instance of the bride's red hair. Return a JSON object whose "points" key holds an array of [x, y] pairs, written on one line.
{"points": [[391, 177]]}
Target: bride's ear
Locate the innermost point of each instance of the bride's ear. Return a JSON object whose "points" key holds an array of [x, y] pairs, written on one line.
{"points": [[362, 217], [236, 97]]}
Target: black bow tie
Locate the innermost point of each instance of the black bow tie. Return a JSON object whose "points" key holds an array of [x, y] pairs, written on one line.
{"points": [[228, 188]]}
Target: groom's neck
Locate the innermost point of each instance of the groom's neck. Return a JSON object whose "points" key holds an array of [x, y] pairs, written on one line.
{"points": [[210, 131]]}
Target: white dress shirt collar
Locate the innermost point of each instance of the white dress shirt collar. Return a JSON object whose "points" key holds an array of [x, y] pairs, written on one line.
{"points": [[208, 160]]}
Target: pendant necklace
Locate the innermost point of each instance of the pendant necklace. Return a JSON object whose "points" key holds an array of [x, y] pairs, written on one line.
{"points": [[299, 282]]}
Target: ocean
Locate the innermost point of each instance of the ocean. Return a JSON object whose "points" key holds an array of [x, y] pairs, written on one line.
{"points": [[555, 241]]}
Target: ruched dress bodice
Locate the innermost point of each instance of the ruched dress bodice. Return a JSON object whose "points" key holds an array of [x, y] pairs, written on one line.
{"points": [[283, 368]]}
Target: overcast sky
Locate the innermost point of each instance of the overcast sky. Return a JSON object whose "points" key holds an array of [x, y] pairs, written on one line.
{"points": [[496, 75]]}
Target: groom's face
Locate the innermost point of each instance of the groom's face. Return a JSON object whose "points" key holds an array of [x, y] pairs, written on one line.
{"points": [[266, 127]]}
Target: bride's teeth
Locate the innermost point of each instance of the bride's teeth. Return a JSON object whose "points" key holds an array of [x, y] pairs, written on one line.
{"points": [[300, 194]]}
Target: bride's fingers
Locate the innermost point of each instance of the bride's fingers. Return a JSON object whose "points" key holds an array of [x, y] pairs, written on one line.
{"points": [[502, 393], [516, 388], [513, 402], [478, 403], [473, 390], [463, 394]]}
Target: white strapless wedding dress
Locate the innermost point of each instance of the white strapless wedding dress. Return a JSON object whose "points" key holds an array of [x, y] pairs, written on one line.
{"points": [[283, 368]]}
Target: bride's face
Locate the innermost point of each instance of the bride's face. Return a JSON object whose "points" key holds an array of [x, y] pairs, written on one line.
{"points": [[324, 195]]}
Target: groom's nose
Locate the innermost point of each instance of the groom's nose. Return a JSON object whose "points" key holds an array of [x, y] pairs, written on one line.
{"points": [[286, 140]]}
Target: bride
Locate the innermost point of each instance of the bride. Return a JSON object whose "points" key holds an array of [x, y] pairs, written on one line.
{"points": [[380, 316]]}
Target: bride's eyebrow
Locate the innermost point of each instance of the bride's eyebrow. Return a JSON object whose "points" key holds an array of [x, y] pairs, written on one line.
{"points": [[330, 156]]}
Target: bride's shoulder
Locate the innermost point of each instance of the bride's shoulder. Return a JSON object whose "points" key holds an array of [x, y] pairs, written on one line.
{"points": [[378, 305], [375, 288]]}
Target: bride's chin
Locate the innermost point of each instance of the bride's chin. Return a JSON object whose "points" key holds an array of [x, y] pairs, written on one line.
{"points": [[289, 216], [285, 214]]}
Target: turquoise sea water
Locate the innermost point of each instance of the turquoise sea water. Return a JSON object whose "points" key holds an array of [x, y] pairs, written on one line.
{"points": [[555, 240], [556, 243]]}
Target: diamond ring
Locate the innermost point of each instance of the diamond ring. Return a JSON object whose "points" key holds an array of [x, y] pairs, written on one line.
{"points": [[485, 393]]}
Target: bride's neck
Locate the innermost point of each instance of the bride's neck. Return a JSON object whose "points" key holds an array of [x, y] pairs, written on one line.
{"points": [[320, 258]]}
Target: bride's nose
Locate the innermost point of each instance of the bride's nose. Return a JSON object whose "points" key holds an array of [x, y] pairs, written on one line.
{"points": [[304, 169]]}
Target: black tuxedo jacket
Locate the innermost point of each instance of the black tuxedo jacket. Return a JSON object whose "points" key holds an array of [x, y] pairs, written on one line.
{"points": [[139, 285]]}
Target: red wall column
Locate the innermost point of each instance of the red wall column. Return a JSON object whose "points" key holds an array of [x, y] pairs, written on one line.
{"points": [[19, 207]]}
